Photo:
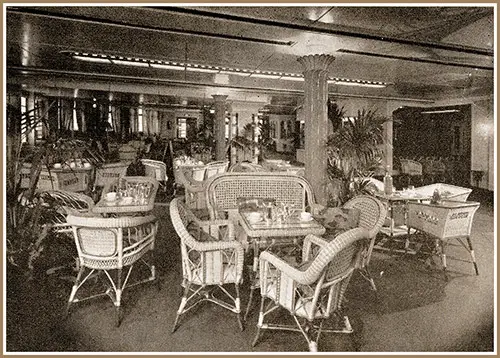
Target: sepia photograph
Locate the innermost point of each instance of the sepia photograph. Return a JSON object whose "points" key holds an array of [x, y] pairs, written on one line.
{"points": [[249, 178]]}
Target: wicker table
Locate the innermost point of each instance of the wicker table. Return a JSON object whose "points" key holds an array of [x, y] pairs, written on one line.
{"points": [[445, 221], [119, 207], [266, 234], [394, 200]]}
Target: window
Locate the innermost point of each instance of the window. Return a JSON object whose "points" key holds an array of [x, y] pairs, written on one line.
{"points": [[24, 120], [181, 127], [140, 122]]}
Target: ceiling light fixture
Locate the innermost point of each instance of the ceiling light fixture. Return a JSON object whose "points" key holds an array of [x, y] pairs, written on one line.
{"points": [[130, 63], [359, 83], [176, 66], [163, 66], [441, 111]]}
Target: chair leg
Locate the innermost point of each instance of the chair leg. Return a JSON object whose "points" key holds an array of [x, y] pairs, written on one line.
{"points": [[250, 298], [181, 306], [260, 322], [74, 289], [118, 298], [238, 306]]}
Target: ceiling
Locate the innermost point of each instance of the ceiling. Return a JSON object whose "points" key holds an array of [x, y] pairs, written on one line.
{"points": [[423, 53]]}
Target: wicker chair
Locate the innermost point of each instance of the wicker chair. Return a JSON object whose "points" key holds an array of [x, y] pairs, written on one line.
{"points": [[217, 167], [108, 173], [209, 261], [194, 190], [111, 246], [372, 216], [313, 291], [157, 170]]}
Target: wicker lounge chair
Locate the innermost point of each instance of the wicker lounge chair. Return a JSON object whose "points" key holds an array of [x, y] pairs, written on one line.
{"points": [[111, 246], [211, 259], [312, 292]]}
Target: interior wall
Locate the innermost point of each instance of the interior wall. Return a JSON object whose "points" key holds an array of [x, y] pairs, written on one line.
{"points": [[482, 137]]}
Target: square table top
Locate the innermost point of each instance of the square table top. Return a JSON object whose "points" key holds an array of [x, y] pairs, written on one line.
{"points": [[293, 226], [118, 206]]}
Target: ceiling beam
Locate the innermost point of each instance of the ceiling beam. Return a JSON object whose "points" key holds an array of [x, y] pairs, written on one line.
{"points": [[329, 31], [416, 59]]}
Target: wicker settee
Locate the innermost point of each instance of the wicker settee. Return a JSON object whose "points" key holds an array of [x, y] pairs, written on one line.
{"points": [[223, 191]]}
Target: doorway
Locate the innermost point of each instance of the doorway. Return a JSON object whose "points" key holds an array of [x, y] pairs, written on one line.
{"points": [[439, 138]]}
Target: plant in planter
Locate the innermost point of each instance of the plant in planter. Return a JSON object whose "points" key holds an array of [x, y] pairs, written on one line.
{"points": [[354, 150], [27, 212]]}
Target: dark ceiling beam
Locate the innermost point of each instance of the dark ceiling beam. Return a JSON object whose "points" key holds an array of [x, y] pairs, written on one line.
{"points": [[107, 22], [329, 31], [416, 59]]}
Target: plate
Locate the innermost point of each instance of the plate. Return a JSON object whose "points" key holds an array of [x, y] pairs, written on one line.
{"points": [[306, 220], [255, 217]]}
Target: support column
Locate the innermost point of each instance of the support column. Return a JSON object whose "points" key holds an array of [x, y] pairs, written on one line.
{"points": [[220, 126], [316, 122], [388, 150]]}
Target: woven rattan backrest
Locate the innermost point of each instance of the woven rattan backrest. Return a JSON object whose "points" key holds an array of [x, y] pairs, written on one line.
{"points": [[372, 212], [214, 168], [108, 173], [97, 242], [155, 169], [223, 190]]}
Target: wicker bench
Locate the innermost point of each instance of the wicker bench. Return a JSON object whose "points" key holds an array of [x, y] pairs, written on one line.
{"points": [[223, 190]]}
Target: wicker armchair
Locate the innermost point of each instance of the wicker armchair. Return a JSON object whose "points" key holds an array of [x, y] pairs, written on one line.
{"points": [[313, 291], [217, 167], [111, 246], [211, 259], [372, 216], [156, 169], [194, 189]]}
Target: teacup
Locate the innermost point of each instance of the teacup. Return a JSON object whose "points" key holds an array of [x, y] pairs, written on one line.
{"points": [[305, 216], [111, 196]]}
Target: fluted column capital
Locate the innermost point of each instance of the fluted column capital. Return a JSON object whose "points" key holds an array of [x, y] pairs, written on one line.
{"points": [[316, 62], [219, 97]]}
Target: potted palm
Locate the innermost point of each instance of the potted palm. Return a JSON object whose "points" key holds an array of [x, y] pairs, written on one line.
{"points": [[354, 151]]}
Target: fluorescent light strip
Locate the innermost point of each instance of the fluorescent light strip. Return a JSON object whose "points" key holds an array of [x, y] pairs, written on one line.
{"points": [[441, 111], [130, 63], [264, 75], [92, 59], [214, 69], [199, 69], [167, 67], [292, 78], [235, 73]]}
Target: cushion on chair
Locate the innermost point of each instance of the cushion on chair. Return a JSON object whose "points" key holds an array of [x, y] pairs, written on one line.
{"points": [[341, 218], [199, 234]]}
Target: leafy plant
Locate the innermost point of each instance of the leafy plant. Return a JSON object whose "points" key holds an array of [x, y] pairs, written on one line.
{"points": [[28, 215], [354, 150]]}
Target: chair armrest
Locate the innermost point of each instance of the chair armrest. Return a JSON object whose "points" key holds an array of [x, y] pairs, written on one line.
{"points": [[218, 245], [188, 182], [282, 266], [308, 242], [212, 227]]}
